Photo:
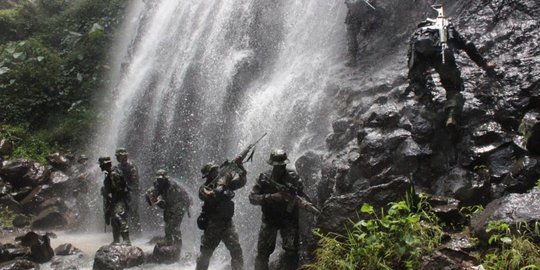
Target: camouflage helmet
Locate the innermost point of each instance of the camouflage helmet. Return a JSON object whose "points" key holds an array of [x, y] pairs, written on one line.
{"points": [[208, 168], [104, 160], [121, 152], [161, 173], [278, 157]]}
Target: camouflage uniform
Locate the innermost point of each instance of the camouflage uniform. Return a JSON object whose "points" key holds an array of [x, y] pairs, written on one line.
{"points": [[175, 201], [420, 62], [277, 215], [116, 193], [218, 209], [131, 174]]}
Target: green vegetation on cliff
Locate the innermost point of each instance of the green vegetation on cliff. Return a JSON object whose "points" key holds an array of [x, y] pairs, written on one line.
{"points": [[53, 63]]}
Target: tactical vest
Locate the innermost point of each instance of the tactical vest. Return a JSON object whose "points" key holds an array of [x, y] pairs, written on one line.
{"points": [[426, 41]]}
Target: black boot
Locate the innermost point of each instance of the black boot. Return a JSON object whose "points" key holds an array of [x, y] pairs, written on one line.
{"points": [[125, 238], [116, 237]]}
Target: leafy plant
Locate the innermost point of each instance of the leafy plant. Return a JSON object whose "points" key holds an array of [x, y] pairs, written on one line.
{"points": [[395, 239], [516, 249], [6, 217]]}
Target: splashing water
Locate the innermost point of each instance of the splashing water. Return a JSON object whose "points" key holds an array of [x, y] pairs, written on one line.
{"points": [[195, 81]]}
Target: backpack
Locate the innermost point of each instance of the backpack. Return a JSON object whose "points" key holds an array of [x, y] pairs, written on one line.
{"points": [[426, 41]]}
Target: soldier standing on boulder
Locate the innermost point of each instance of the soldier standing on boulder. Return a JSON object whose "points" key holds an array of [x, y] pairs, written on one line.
{"points": [[277, 192], [131, 174], [116, 198], [217, 213], [432, 45], [175, 202]]}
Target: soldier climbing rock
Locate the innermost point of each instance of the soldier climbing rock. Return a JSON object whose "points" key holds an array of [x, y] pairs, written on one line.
{"points": [[432, 45]]}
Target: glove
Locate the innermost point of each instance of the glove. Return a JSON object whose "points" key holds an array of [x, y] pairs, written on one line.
{"points": [[280, 196], [490, 69]]}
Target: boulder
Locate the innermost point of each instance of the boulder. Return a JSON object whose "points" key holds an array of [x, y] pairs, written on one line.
{"points": [[524, 172], [116, 257], [5, 188], [166, 254], [40, 246], [21, 221], [23, 173], [19, 264], [468, 187], [338, 211], [59, 179], [50, 218], [58, 161], [511, 209], [377, 148], [66, 250], [10, 203]]}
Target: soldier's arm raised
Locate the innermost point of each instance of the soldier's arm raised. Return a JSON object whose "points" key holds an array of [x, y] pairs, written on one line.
{"points": [[461, 43], [239, 179]]}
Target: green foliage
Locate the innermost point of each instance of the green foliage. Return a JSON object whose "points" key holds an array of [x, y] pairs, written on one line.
{"points": [[6, 217], [516, 248], [29, 145], [53, 59], [396, 239]]}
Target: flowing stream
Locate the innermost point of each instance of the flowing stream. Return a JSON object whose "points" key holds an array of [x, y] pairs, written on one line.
{"points": [[194, 81]]}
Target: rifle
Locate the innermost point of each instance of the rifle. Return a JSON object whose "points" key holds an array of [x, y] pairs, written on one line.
{"points": [[232, 166], [441, 24], [106, 209], [297, 199]]}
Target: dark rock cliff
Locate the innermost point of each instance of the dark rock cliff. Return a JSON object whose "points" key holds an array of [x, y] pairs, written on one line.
{"points": [[382, 142]]}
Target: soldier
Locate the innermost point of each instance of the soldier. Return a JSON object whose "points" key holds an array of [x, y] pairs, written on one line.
{"points": [[116, 198], [431, 49], [275, 191], [175, 201], [217, 212], [357, 10], [131, 174]]}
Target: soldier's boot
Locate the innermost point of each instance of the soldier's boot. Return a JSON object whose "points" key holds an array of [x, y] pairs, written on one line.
{"points": [[116, 237], [203, 261], [289, 260], [125, 238], [261, 263]]}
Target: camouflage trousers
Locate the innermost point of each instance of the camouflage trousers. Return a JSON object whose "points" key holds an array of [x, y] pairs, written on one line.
{"points": [[267, 244], [450, 79], [119, 219], [216, 232], [173, 235]]}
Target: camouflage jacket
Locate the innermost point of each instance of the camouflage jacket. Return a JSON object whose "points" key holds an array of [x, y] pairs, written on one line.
{"points": [[265, 185], [221, 206], [455, 42], [131, 174], [115, 188], [174, 200]]}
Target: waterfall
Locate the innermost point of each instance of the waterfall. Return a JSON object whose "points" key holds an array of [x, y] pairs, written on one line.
{"points": [[194, 81]]}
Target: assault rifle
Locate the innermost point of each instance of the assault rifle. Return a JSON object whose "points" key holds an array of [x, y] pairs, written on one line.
{"points": [[218, 183], [106, 208], [441, 24], [297, 199]]}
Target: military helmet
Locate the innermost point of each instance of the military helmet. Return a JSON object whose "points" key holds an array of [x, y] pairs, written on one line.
{"points": [[207, 169], [278, 157], [121, 152], [161, 173], [104, 160]]}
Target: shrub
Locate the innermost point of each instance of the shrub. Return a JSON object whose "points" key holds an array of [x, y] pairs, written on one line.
{"points": [[396, 239]]}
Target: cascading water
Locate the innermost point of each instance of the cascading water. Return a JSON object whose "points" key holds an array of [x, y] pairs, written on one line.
{"points": [[196, 81]]}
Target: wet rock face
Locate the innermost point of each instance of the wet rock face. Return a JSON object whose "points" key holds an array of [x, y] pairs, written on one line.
{"points": [[511, 209], [339, 210], [117, 257], [19, 264], [22, 173], [66, 250]]}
